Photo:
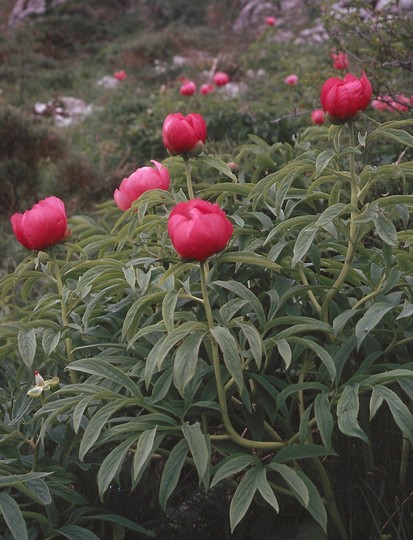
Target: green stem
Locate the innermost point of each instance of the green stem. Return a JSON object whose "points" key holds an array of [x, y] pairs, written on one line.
{"points": [[188, 178], [247, 443], [406, 446], [371, 295], [330, 500], [65, 319], [352, 233], [310, 293]]}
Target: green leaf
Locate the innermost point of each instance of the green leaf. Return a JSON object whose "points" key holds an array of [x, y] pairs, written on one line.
{"points": [[385, 229], [168, 309], [96, 424], [298, 451], [198, 446], [219, 165], [347, 411], [398, 135], [40, 491], [74, 532], [320, 352], [110, 465], [315, 504], [186, 360], [400, 412], [124, 522], [293, 481], [247, 258], [101, 368], [50, 340], [370, 319], [375, 401], [26, 343], [172, 471], [302, 244], [330, 214], [323, 159], [13, 517], [162, 347], [229, 348], [143, 451], [254, 339], [324, 418], [266, 490], [341, 320], [243, 292], [232, 465], [407, 310], [285, 351], [12, 479], [243, 496]]}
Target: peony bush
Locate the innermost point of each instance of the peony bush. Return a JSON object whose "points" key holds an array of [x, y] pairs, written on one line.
{"points": [[242, 326]]}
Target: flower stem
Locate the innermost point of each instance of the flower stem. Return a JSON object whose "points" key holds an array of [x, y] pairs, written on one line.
{"points": [[65, 319], [352, 233], [219, 382], [188, 177]]}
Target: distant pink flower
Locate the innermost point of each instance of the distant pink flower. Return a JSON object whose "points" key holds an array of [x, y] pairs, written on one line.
{"points": [[120, 75], [318, 116], [221, 78], [207, 88], [188, 88], [381, 103], [143, 179], [399, 103], [340, 60], [291, 80], [271, 21]]}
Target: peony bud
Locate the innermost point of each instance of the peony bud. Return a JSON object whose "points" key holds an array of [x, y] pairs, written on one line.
{"points": [[270, 21], [221, 78], [188, 88], [199, 229], [291, 80], [340, 60], [342, 99], [207, 88], [318, 116], [143, 179], [184, 134], [43, 226], [120, 75]]}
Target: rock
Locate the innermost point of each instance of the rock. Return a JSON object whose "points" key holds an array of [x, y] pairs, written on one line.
{"points": [[108, 82], [29, 8]]}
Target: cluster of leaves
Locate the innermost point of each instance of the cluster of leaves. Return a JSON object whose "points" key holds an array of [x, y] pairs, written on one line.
{"points": [[310, 338]]}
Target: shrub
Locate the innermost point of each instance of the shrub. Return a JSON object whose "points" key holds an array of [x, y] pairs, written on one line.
{"points": [[262, 369]]}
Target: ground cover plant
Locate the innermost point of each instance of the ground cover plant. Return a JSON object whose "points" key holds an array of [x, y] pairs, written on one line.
{"points": [[222, 348]]}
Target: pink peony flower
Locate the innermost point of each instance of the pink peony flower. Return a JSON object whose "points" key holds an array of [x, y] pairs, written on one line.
{"points": [[342, 99], [318, 116], [143, 179], [221, 78], [43, 226], [271, 21], [340, 60], [207, 88], [199, 229], [188, 88], [291, 80], [120, 75], [184, 134]]}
